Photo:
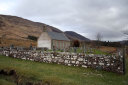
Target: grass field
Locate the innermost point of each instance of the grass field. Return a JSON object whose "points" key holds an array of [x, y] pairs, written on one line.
{"points": [[58, 74]]}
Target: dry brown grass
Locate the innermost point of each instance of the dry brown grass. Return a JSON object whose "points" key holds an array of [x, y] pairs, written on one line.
{"points": [[18, 42], [108, 49]]}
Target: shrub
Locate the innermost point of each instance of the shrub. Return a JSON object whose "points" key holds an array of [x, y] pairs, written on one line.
{"points": [[32, 37]]}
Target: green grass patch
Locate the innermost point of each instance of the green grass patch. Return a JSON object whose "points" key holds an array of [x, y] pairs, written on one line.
{"points": [[5, 82], [60, 74]]}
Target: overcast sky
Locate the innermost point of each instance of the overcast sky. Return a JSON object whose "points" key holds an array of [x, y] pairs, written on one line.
{"points": [[86, 17]]}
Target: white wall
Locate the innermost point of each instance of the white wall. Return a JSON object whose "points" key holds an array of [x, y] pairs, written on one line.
{"points": [[44, 41]]}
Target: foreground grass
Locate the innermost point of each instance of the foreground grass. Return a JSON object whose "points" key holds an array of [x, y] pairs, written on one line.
{"points": [[4, 82], [60, 74]]}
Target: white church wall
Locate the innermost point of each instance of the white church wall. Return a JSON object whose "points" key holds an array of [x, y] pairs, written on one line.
{"points": [[44, 41]]}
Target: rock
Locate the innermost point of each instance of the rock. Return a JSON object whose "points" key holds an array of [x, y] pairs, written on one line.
{"points": [[80, 59], [66, 61], [73, 62], [101, 64], [94, 62], [77, 62], [84, 66]]}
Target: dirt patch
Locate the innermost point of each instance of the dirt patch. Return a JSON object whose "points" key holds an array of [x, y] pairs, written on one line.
{"points": [[9, 73]]}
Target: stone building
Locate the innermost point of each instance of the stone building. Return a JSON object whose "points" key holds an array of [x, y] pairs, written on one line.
{"points": [[53, 40]]}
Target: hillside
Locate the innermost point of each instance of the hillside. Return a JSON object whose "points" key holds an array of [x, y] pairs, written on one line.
{"points": [[14, 30], [16, 27], [75, 36]]}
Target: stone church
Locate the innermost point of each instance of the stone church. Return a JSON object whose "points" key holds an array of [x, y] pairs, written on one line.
{"points": [[53, 40]]}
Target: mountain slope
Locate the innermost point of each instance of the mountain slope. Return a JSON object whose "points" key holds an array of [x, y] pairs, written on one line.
{"points": [[16, 28], [75, 36], [19, 28]]}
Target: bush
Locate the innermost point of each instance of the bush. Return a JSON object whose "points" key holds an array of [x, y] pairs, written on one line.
{"points": [[32, 37], [76, 43]]}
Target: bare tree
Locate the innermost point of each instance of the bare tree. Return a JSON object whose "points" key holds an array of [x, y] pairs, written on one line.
{"points": [[98, 38]]}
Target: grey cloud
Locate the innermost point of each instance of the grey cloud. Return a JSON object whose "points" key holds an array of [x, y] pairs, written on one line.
{"points": [[88, 17]]}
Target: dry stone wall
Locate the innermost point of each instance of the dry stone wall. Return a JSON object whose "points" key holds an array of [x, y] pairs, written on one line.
{"points": [[111, 63]]}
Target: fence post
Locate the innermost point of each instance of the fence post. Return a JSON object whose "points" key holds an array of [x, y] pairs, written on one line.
{"points": [[124, 70]]}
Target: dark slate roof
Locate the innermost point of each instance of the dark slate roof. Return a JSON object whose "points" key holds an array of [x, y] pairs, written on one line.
{"points": [[58, 36]]}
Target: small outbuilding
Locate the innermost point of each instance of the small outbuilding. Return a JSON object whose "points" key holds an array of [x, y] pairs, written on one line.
{"points": [[53, 40]]}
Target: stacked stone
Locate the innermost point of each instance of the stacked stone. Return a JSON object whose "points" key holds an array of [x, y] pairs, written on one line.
{"points": [[101, 62]]}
